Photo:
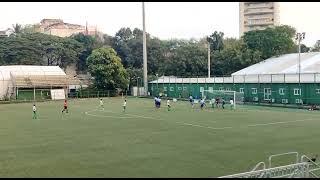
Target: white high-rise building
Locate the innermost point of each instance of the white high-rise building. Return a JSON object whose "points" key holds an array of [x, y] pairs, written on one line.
{"points": [[258, 15]]}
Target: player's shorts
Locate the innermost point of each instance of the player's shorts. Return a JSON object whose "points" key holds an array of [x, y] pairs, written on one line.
{"points": [[202, 105], [65, 107], [169, 106]]}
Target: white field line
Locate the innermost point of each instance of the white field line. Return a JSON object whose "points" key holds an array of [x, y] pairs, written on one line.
{"points": [[281, 122], [145, 117], [207, 127], [107, 116]]}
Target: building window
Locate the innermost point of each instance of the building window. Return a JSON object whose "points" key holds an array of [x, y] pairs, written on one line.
{"points": [[284, 101], [254, 90], [220, 88], [241, 90], [317, 91], [210, 89], [228, 89], [171, 88], [297, 91], [281, 91], [299, 101], [165, 88]]}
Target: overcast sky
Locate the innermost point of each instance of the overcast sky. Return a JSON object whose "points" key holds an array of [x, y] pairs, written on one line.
{"points": [[165, 20]]}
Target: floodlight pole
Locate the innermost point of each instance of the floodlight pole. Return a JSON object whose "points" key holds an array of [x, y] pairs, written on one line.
{"points": [[208, 57], [145, 71], [299, 37]]}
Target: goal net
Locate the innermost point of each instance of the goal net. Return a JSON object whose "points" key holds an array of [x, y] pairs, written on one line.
{"points": [[237, 97]]}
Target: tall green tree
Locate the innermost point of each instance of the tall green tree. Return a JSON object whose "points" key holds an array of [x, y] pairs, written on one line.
{"points": [[272, 41], [316, 47], [216, 41], [89, 43], [106, 68], [16, 28]]}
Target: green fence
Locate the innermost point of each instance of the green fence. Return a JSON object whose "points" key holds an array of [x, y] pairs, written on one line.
{"points": [[259, 93], [30, 95]]}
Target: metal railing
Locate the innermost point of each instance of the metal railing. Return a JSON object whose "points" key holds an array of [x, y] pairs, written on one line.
{"points": [[302, 169]]}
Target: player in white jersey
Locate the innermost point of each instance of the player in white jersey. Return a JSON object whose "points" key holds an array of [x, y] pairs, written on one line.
{"points": [[168, 104], [34, 110], [231, 104], [124, 105], [213, 101], [191, 101], [202, 103], [101, 104]]}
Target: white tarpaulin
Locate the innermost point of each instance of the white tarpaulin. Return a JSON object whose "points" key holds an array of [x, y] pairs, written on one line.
{"points": [[58, 94]]}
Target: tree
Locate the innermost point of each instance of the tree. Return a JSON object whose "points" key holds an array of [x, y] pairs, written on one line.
{"points": [[89, 43], [216, 41], [18, 50], [304, 48], [56, 51], [106, 68], [16, 28], [272, 41], [316, 47]]}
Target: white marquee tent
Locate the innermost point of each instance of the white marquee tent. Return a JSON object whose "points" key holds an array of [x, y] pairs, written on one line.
{"points": [[8, 74]]}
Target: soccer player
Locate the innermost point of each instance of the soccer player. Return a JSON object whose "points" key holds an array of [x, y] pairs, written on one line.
{"points": [[223, 103], [34, 109], [65, 106], [202, 103], [156, 101], [124, 105], [217, 102], [191, 101], [168, 104], [159, 102], [231, 104], [101, 104], [212, 102]]}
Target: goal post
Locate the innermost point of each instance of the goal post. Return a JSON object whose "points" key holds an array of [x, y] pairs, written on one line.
{"points": [[237, 97]]}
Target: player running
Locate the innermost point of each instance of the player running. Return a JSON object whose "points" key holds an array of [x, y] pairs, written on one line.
{"points": [[223, 103], [156, 102], [202, 103], [124, 105], [159, 102], [231, 104], [101, 104], [212, 102], [168, 104], [191, 101], [65, 106], [34, 110]]}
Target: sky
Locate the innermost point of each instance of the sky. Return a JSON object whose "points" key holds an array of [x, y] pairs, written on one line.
{"points": [[165, 20]]}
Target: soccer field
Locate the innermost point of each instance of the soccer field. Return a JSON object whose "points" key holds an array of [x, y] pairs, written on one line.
{"points": [[147, 142]]}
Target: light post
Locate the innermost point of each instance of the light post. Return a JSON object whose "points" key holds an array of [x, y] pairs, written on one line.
{"points": [[145, 71], [208, 39], [138, 92], [299, 37], [157, 84]]}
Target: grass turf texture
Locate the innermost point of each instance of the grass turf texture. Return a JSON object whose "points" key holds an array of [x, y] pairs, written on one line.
{"points": [[145, 142]]}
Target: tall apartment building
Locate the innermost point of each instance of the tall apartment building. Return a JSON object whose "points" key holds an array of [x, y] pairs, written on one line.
{"points": [[258, 15]]}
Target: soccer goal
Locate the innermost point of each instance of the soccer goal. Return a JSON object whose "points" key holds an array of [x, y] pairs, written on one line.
{"points": [[237, 97]]}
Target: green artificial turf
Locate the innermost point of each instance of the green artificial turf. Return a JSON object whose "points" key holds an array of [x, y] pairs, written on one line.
{"points": [[148, 142]]}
